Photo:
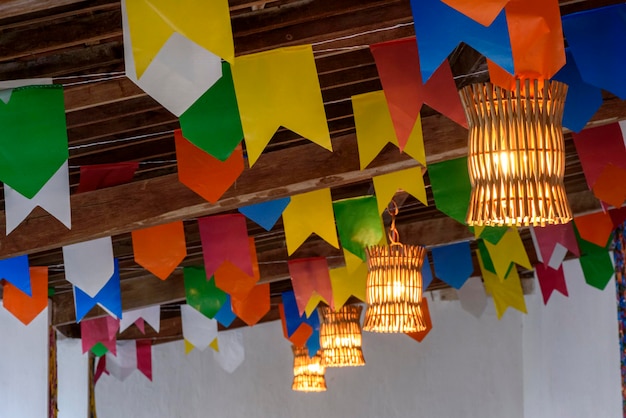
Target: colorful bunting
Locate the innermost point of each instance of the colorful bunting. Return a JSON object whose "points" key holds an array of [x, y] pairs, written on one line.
{"points": [[345, 284], [451, 187], [439, 29], [204, 174], [24, 307], [374, 129], [398, 64], [279, 88], [160, 249], [253, 307], [550, 280], [473, 297], [231, 353], [34, 137], [309, 275], [15, 270], [510, 249], [359, 224], [100, 176], [552, 243], [109, 297], [225, 315], [583, 100], [53, 197], [151, 315], [212, 123], [410, 180], [596, 38], [308, 213], [266, 214], [89, 265], [595, 228], [198, 330], [453, 263], [505, 293], [225, 238], [99, 330], [419, 336], [201, 293], [233, 280]]}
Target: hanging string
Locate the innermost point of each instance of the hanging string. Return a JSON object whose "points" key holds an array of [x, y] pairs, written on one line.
{"points": [[394, 235]]}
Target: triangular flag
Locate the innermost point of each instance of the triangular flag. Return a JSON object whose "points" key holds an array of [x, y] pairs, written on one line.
{"points": [[151, 315], [204, 174], [398, 65], [215, 345], [100, 176], [582, 101], [212, 123], [451, 187], [24, 307], [160, 249], [308, 213], [420, 335], [15, 270], [552, 243], [453, 263], [374, 129], [198, 330], [279, 88], [201, 293], [109, 297], [510, 249], [410, 180], [266, 214], [188, 347], [99, 330], [34, 138], [439, 29], [253, 307], [359, 224], [172, 67], [505, 293], [595, 228], [596, 38], [473, 297], [550, 280], [225, 316], [225, 238], [232, 352], [310, 275], [233, 280], [345, 284], [144, 357], [89, 265], [53, 197]]}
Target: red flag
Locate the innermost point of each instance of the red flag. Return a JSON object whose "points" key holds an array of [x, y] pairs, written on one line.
{"points": [[99, 176], [225, 238], [419, 336], [310, 275], [550, 280], [144, 357]]}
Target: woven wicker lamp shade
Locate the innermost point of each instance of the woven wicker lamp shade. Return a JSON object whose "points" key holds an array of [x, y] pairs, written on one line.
{"points": [[516, 154], [308, 372], [340, 336]]}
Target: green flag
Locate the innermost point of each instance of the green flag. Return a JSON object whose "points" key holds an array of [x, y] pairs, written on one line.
{"points": [[202, 294]]}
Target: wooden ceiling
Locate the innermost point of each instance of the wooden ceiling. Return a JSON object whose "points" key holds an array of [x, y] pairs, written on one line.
{"points": [[109, 119]]}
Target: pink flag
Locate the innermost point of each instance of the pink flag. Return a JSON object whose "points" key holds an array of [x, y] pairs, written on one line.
{"points": [[99, 330], [144, 357], [550, 280], [225, 238], [547, 238], [310, 275]]}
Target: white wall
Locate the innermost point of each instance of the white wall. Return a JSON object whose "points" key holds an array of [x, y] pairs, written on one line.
{"points": [[23, 366], [73, 387], [571, 352]]}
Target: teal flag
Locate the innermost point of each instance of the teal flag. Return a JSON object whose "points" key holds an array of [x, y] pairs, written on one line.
{"points": [[359, 224]]}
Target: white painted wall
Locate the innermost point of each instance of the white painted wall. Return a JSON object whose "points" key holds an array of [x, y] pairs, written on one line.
{"points": [[571, 352], [73, 387], [23, 367]]}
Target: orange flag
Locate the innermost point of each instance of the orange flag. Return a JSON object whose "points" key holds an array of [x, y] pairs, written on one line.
{"points": [[232, 280], [203, 173], [22, 306], [595, 227], [252, 307], [419, 336], [160, 249], [301, 335]]}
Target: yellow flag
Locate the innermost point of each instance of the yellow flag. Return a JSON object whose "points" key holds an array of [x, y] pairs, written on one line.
{"points": [[215, 345], [510, 249], [347, 284], [308, 213], [315, 300], [188, 347], [279, 88], [374, 129], [152, 22], [410, 180], [353, 262], [506, 292]]}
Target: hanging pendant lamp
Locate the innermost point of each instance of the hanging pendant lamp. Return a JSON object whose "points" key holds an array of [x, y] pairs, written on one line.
{"points": [[340, 336], [308, 372], [394, 285], [516, 154]]}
